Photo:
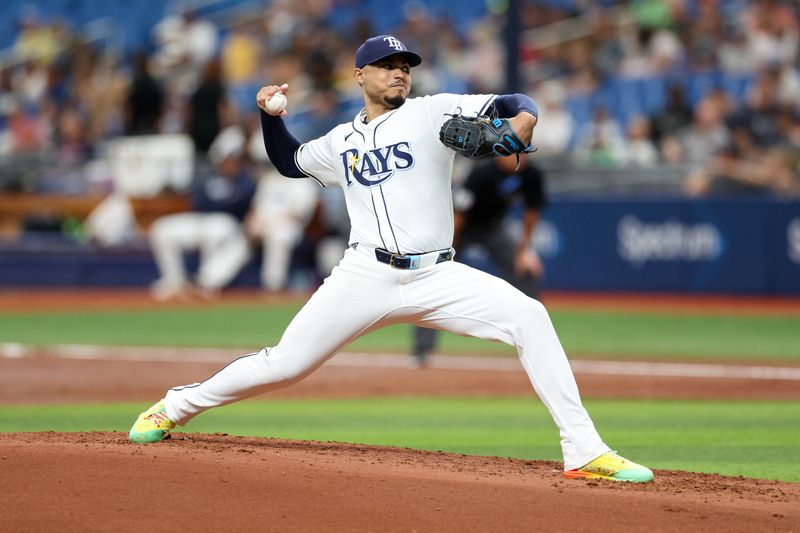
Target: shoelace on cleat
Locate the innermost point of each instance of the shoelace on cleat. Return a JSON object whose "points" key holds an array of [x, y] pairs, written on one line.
{"points": [[159, 417]]}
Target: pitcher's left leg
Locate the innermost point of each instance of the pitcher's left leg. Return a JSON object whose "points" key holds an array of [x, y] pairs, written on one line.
{"points": [[494, 310]]}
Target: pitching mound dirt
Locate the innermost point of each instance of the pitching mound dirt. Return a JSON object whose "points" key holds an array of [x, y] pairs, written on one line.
{"points": [[100, 482]]}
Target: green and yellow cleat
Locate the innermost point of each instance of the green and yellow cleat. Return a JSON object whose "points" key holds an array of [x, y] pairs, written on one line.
{"points": [[152, 425], [613, 467]]}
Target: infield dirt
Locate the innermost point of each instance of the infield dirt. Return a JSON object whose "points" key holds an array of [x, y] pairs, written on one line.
{"points": [[100, 482]]}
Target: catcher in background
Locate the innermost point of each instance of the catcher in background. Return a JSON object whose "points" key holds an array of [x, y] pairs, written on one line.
{"points": [[396, 177], [482, 232]]}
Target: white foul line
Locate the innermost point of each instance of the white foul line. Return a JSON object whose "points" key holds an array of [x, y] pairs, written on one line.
{"points": [[399, 361]]}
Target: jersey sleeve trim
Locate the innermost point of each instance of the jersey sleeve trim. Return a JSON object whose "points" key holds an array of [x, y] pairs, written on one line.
{"points": [[488, 103], [304, 171]]}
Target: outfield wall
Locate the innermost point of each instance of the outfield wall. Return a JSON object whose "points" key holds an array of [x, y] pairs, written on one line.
{"points": [[709, 246], [643, 245]]}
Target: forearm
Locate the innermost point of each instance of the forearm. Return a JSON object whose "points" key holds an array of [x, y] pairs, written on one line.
{"points": [[281, 145], [522, 112]]}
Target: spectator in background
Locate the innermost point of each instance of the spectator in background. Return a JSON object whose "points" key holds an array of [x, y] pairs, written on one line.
{"points": [[30, 84], [99, 89], [734, 54], [599, 141], [186, 43], [37, 42], [220, 202], [323, 114], [482, 233], [557, 131], [281, 19], [6, 92], [772, 32], [743, 168], [651, 14], [677, 114], [71, 152], [761, 157], [703, 36], [788, 85], [290, 68], [207, 110], [648, 44], [637, 150], [240, 56], [704, 137], [607, 47], [761, 112], [26, 131], [484, 59], [145, 100]]}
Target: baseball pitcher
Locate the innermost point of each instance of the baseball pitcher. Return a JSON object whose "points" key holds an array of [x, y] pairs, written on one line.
{"points": [[394, 162]]}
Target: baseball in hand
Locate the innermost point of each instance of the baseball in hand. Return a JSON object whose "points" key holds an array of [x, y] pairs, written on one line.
{"points": [[276, 104]]}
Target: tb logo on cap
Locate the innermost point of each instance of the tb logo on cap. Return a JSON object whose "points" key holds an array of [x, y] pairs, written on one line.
{"points": [[394, 43]]}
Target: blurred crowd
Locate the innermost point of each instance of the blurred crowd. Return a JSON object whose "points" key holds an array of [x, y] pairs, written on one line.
{"points": [[708, 87], [711, 87], [694, 83]]}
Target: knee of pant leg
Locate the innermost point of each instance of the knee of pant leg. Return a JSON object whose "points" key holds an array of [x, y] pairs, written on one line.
{"points": [[525, 306], [220, 226], [537, 310], [533, 315], [169, 229], [158, 231], [288, 369]]}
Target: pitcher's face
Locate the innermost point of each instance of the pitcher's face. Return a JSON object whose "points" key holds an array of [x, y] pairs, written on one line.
{"points": [[387, 81]]}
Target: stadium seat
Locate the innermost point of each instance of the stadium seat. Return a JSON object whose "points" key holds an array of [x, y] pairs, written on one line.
{"points": [[699, 83], [652, 94]]}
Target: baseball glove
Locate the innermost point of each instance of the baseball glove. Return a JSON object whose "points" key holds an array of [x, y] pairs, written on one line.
{"points": [[481, 137]]}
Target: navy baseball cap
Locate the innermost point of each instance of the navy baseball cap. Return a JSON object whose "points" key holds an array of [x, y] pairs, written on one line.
{"points": [[377, 48]]}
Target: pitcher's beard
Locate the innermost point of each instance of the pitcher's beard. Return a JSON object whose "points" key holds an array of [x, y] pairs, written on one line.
{"points": [[394, 101]]}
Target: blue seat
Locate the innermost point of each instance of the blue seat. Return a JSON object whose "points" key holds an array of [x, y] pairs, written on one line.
{"points": [[627, 99], [652, 94], [736, 85], [698, 84], [580, 108]]}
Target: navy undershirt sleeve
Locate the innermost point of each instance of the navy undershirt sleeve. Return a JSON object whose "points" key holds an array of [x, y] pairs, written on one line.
{"points": [[510, 105], [281, 145]]}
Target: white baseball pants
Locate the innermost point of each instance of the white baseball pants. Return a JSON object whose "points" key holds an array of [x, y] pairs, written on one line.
{"points": [[362, 294], [224, 248]]}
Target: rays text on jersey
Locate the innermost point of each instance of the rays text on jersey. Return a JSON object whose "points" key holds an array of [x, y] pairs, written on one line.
{"points": [[378, 165]]}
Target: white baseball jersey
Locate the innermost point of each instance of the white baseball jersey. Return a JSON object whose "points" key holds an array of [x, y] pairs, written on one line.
{"points": [[395, 172]]}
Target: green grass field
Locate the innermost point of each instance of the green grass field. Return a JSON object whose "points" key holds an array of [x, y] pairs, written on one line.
{"points": [[753, 439], [583, 333]]}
